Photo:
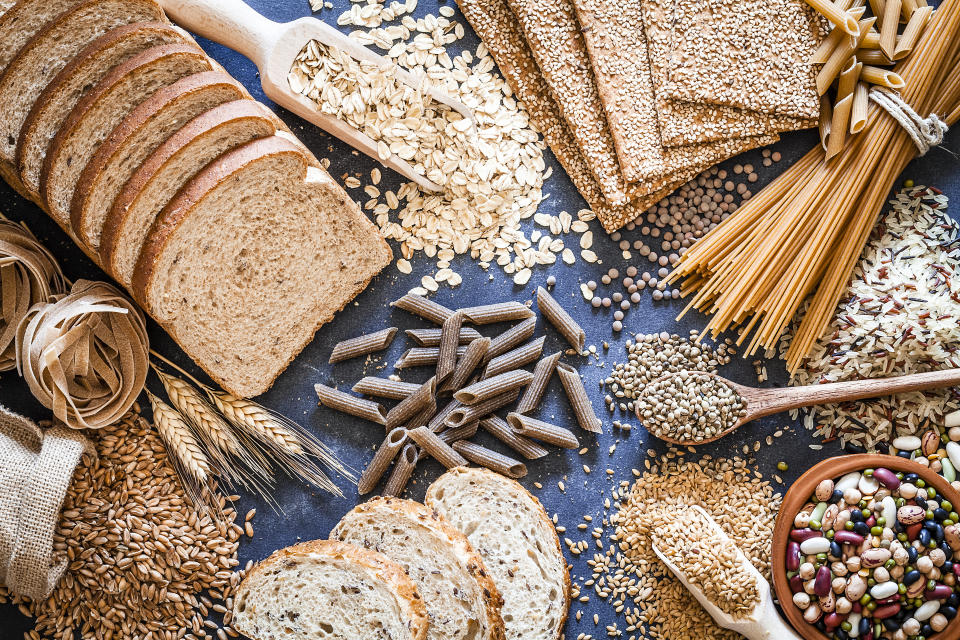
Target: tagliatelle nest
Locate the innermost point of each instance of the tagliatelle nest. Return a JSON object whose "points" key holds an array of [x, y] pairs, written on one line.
{"points": [[84, 354], [28, 274]]}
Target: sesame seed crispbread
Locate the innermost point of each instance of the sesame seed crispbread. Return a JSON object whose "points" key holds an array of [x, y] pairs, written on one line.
{"points": [[751, 55]]}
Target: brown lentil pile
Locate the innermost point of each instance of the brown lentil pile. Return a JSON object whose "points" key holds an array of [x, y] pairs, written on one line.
{"points": [[143, 563], [689, 406]]}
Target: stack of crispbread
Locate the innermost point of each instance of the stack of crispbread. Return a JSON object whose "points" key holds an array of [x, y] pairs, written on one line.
{"points": [[636, 97]]}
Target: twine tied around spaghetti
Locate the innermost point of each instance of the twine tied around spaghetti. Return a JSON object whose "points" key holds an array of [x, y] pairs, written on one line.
{"points": [[925, 132]]}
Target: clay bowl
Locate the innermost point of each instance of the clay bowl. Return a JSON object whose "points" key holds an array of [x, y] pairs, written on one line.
{"points": [[798, 495]]}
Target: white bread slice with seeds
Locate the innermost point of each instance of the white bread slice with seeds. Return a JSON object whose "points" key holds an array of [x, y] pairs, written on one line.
{"points": [[461, 599], [518, 543], [169, 167], [251, 257], [133, 140], [329, 590], [80, 75]]}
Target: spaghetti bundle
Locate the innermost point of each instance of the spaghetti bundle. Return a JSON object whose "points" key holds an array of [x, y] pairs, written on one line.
{"points": [[801, 235]]}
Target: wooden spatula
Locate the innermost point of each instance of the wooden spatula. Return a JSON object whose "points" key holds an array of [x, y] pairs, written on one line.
{"points": [[273, 46]]}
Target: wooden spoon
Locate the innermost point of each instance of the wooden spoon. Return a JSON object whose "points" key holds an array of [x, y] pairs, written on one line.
{"points": [[273, 47], [764, 402]]}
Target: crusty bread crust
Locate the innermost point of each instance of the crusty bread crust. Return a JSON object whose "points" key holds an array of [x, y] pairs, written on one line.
{"points": [[458, 542], [383, 567], [485, 475]]}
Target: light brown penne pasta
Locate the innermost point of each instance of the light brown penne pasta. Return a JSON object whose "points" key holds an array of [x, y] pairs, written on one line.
{"points": [[385, 454], [831, 42], [437, 448], [871, 41], [889, 25], [423, 307], [459, 433], [560, 319], [860, 107], [907, 9], [876, 6], [499, 429], [474, 355], [519, 357], [882, 77], [826, 114], [873, 56], [467, 414], [449, 340], [402, 470], [839, 57], [840, 19], [346, 403], [484, 389], [439, 421], [385, 388], [493, 460], [838, 126], [847, 81], [510, 338], [911, 33], [543, 431], [497, 312], [362, 345], [413, 404], [422, 357], [579, 400], [541, 378], [431, 337]]}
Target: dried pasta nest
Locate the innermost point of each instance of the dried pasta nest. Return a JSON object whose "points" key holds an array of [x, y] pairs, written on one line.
{"points": [[28, 274], [84, 354]]}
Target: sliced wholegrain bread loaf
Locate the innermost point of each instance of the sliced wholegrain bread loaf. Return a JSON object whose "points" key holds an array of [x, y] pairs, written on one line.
{"points": [[518, 543], [461, 599], [329, 590], [167, 169], [252, 256], [133, 140], [49, 51], [81, 74], [102, 109], [23, 19]]}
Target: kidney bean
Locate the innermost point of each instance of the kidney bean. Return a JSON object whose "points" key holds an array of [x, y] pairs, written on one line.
{"points": [[886, 611], [848, 537], [793, 556], [821, 586], [799, 535], [939, 592], [887, 478]]}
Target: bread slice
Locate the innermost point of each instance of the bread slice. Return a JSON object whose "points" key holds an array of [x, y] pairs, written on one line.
{"points": [[23, 19], [105, 107], [329, 590], [39, 61], [254, 254], [134, 139], [518, 543], [168, 168], [81, 74], [461, 599]]}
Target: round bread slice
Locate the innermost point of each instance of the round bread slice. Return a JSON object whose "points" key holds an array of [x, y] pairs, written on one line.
{"points": [[133, 140], [169, 167], [100, 111], [518, 543], [253, 255], [23, 19], [329, 590], [80, 75], [461, 600], [49, 51]]}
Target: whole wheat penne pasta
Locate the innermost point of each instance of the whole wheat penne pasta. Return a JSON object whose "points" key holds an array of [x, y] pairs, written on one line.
{"points": [[877, 7], [560, 319], [497, 312], [493, 460], [517, 334], [911, 33], [543, 431], [402, 470], [841, 19], [847, 81], [467, 414], [579, 400], [882, 77], [413, 404], [499, 429], [439, 421], [519, 357], [362, 345], [459, 433], [831, 42], [839, 57], [449, 340], [541, 378], [422, 357], [484, 389], [858, 111], [873, 56], [423, 307], [437, 448], [385, 454], [871, 41], [907, 9], [346, 403], [385, 388], [889, 25], [431, 337], [826, 115], [422, 417], [474, 355], [839, 126]]}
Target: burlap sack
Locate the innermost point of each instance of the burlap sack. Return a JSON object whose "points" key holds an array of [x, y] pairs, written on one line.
{"points": [[36, 467]]}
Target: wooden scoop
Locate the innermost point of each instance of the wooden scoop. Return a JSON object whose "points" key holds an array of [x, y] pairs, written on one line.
{"points": [[273, 47], [764, 402], [763, 624]]}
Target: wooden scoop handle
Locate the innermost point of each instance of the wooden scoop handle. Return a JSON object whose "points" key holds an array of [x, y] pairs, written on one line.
{"points": [[232, 23]]}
